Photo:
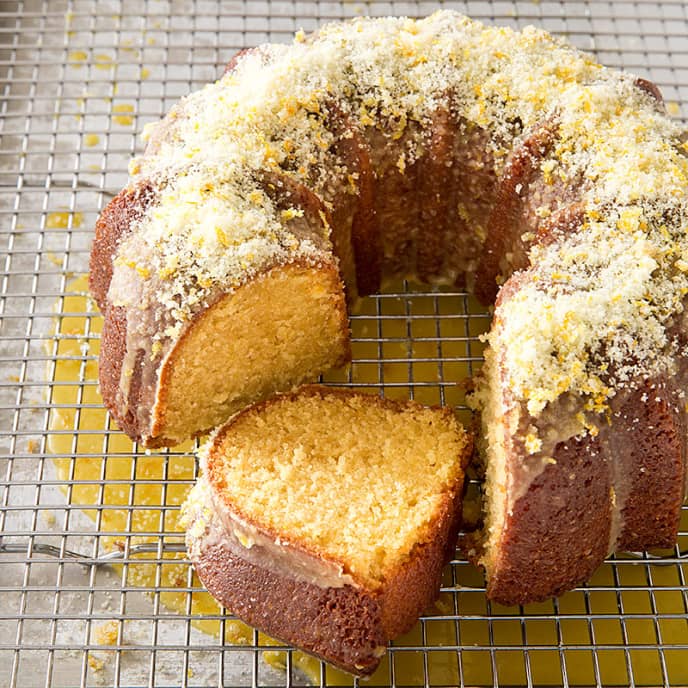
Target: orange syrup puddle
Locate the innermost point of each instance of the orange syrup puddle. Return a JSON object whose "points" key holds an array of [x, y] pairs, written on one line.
{"points": [[60, 220], [88, 452]]}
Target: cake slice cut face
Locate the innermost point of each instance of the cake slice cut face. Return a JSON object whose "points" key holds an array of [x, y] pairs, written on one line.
{"points": [[325, 517]]}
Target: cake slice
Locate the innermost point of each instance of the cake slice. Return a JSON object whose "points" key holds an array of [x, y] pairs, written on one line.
{"points": [[324, 518]]}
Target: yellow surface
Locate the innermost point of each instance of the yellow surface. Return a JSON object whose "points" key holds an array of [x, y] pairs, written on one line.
{"points": [[122, 114], [77, 58], [103, 61], [60, 220], [79, 456]]}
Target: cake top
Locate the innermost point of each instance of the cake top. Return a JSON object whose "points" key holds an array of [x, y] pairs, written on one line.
{"points": [[209, 229], [349, 477], [594, 310]]}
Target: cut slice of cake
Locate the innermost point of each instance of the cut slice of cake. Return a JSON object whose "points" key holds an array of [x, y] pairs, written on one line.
{"points": [[324, 518]]}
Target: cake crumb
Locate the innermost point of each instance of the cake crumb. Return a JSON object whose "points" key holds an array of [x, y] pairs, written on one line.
{"points": [[95, 663], [49, 518], [106, 633]]}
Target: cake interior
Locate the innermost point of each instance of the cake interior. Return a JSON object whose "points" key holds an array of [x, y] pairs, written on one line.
{"points": [[276, 331], [353, 480]]}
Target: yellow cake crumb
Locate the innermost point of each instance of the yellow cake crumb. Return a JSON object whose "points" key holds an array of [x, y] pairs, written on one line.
{"points": [[362, 513], [106, 633]]}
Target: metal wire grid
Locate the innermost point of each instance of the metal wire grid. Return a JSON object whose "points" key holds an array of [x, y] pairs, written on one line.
{"points": [[78, 80]]}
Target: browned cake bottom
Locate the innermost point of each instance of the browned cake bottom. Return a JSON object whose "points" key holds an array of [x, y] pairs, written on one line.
{"points": [[348, 627]]}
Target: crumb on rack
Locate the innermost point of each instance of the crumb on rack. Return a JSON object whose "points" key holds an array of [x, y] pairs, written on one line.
{"points": [[96, 663], [106, 633], [49, 518]]}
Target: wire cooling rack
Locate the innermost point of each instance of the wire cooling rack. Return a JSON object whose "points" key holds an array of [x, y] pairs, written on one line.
{"points": [[94, 586]]}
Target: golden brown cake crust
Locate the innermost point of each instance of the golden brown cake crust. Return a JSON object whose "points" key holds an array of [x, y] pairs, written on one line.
{"points": [[506, 224], [113, 346], [656, 462], [344, 626], [557, 534], [114, 222], [561, 530], [292, 611]]}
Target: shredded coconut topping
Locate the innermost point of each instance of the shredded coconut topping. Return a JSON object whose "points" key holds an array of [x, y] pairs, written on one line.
{"points": [[594, 310], [591, 316], [208, 230]]}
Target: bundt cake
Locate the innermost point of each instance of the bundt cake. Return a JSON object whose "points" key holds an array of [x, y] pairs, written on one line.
{"points": [[451, 152], [324, 517]]}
